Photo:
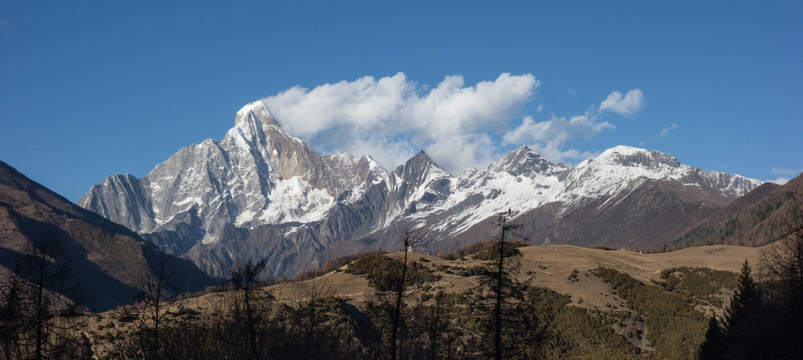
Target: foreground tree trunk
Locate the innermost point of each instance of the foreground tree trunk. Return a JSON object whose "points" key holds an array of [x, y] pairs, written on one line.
{"points": [[411, 239]]}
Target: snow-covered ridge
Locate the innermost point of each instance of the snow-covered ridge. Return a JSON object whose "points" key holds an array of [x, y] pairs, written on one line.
{"points": [[612, 169], [258, 175]]}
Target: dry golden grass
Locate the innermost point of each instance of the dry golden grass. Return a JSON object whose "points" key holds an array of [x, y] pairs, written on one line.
{"points": [[554, 264], [547, 266], [550, 266]]}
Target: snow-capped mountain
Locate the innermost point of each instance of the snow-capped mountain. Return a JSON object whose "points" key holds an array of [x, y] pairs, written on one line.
{"points": [[258, 174], [619, 165], [260, 192]]}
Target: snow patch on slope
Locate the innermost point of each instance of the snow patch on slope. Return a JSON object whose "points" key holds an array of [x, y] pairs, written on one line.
{"points": [[295, 200]]}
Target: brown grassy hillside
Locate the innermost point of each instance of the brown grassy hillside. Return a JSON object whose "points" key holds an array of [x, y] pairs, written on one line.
{"points": [[580, 307]]}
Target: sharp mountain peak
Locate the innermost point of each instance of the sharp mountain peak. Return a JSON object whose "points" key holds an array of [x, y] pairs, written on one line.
{"points": [[256, 111], [300, 208]]}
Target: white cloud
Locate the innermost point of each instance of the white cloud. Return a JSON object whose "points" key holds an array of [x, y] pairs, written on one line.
{"points": [[394, 118], [665, 131], [780, 180], [363, 104], [463, 151], [386, 152], [787, 174], [459, 126], [556, 130], [552, 152], [627, 105], [784, 171], [548, 137]]}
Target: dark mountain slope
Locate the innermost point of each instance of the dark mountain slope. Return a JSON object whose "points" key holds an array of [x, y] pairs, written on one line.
{"points": [[760, 217], [643, 218], [108, 261]]}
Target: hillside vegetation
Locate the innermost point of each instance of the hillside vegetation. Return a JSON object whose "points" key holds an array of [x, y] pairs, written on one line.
{"points": [[759, 218], [579, 303]]}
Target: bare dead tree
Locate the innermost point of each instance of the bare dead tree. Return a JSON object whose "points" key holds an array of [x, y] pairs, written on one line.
{"points": [[781, 263], [435, 322], [158, 289], [12, 303], [502, 304], [781, 272], [500, 279], [245, 279], [51, 315], [13, 323], [310, 314], [411, 239]]}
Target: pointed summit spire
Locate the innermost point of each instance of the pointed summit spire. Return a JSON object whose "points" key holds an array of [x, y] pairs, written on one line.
{"points": [[419, 167], [256, 111], [524, 161], [421, 160], [423, 155]]}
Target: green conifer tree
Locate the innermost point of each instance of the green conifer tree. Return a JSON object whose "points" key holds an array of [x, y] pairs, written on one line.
{"points": [[742, 319], [711, 348]]}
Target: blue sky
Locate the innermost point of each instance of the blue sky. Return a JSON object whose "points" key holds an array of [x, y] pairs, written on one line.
{"points": [[91, 88]]}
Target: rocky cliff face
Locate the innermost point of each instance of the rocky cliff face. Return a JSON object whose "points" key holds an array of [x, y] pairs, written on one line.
{"points": [[262, 193], [258, 174]]}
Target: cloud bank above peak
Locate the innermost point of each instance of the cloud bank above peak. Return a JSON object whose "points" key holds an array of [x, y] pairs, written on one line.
{"points": [[459, 126], [626, 105]]}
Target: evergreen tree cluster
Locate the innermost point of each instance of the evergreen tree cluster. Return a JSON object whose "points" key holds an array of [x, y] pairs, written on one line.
{"points": [[763, 321], [765, 317]]}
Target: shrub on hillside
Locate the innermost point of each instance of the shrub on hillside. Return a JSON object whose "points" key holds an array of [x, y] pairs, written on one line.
{"points": [[674, 327], [477, 247], [491, 251], [382, 271], [333, 265], [698, 281]]}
